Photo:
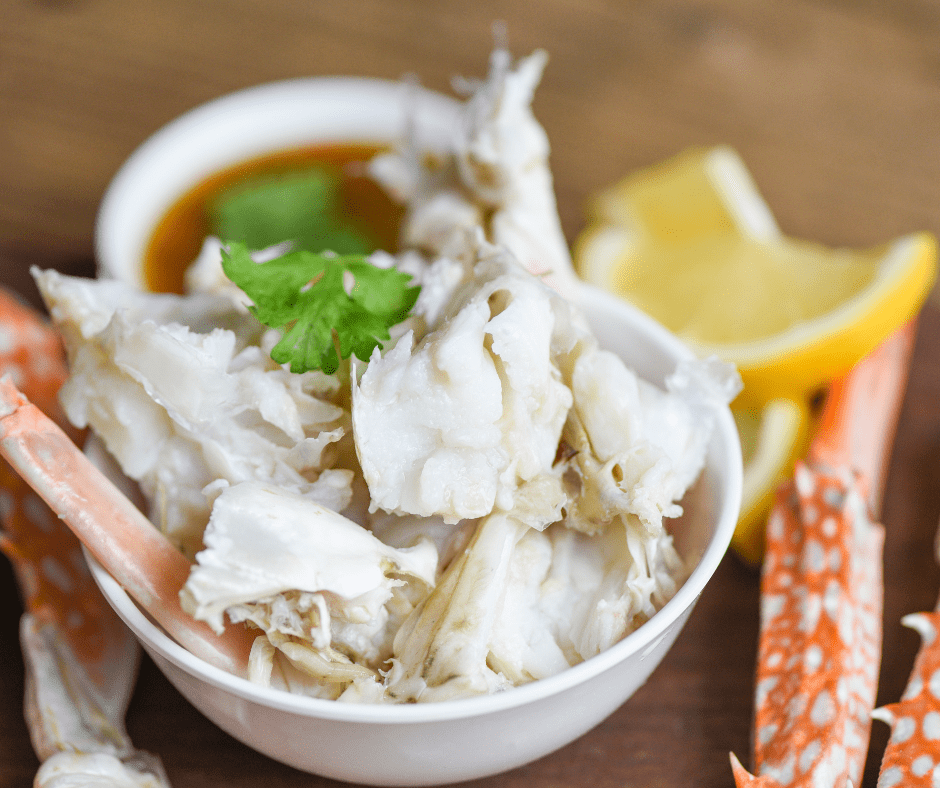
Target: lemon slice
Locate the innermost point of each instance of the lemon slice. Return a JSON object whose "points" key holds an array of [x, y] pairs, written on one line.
{"points": [[773, 438], [692, 243]]}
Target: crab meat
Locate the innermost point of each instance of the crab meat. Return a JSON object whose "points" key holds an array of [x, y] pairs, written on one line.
{"points": [[638, 448], [181, 405], [306, 576], [496, 175], [454, 425], [98, 770]]}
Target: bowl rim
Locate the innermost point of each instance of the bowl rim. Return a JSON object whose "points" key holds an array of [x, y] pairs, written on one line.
{"points": [[644, 637]]}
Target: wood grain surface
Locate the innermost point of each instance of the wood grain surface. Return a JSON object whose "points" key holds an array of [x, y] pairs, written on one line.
{"points": [[833, 104]]}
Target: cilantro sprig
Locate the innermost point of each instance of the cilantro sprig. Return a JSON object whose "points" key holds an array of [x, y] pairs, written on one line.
{"points": [[306, 296]]}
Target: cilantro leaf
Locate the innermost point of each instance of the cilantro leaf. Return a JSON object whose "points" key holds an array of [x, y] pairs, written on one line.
{"points": [[302, 294], [303, 207]]}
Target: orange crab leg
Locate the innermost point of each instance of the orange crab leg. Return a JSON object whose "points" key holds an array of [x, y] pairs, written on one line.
{"points": [[50, 570], [136, 554], [858, 423], [821, 589], [912, 755], [78, 654]]}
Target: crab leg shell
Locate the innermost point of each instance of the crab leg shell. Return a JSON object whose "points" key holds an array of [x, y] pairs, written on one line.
{"points": [[857, 426], [45, 555], [820, 640], [822, 590], [80, 659], [912, 756], [136, 554]]}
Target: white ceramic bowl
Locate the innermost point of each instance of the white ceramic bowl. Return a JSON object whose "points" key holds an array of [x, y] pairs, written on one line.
{"points": [[422, 744]]}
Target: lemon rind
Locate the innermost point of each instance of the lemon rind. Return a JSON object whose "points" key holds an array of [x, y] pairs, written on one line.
{"points": [[806, 356]]}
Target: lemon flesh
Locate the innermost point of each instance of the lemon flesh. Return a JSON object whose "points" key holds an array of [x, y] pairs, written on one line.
{"points": [[692, 243]]}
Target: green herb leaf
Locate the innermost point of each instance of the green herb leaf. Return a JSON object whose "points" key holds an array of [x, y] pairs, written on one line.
{"points": [[302, 294], [302, 207]]}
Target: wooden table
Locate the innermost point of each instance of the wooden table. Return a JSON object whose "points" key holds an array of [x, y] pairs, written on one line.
{"points": [[834, 106]]}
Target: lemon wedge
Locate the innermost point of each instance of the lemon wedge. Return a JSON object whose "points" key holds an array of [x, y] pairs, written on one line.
{"points": [[773, 438], [691, 242]]}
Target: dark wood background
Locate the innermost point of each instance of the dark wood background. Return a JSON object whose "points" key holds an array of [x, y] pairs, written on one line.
{"points": [[833, 104]]}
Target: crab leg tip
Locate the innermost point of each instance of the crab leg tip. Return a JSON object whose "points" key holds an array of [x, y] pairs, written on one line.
{"points": [[883, 714], [744, 779], [923, 625]]}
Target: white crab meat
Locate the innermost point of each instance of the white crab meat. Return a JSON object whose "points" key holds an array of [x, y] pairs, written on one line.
{"points": [[323, 589], [95, 770], [452, 426], [495, 175], [441, 650], [602, 587], [518, 605], [640, 448], [503, 158], [181, 410]]}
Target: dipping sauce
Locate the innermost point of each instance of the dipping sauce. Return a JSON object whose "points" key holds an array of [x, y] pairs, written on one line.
{"points": [[178, 237]]}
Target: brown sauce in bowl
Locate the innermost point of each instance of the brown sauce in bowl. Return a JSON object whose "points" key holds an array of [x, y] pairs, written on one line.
{"points": [[178, 237]]}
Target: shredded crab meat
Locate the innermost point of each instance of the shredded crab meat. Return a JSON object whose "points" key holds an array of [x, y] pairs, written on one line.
{"points": [[182, 406], [480, 505], [496, 176]]}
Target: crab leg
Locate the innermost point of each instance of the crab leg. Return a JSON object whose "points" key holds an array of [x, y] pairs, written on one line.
{"points": [[821, 589], [81, 661], [912, 756], [45, 555], [136, 554]]}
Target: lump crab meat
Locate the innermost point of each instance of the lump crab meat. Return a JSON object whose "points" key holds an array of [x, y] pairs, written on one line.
{"points": [[453, 425], [495, 176], [181, 405], [324, 591]]}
